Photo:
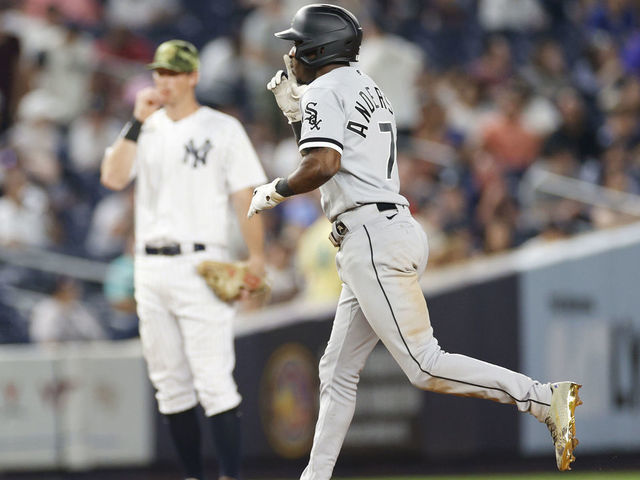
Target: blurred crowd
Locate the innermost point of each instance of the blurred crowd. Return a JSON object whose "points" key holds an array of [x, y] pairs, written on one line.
{"points": [[487, 94]]}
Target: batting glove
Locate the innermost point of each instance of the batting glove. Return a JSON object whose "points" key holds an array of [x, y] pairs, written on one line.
{"points": [[264, 198], [285, 88]]}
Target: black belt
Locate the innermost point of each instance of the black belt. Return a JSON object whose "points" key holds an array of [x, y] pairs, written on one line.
{"points": [[170, 250], [383, 207]]}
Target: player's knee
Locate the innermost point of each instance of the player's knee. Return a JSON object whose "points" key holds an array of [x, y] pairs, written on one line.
{"points": [[421, 374], [421, 380], [338, 383]]}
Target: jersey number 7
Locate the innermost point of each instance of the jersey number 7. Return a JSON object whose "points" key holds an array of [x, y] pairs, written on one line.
{"points": [[387, 127]]}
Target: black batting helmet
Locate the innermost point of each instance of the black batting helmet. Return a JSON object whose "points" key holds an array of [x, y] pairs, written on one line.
{"points": [[324, 34]]}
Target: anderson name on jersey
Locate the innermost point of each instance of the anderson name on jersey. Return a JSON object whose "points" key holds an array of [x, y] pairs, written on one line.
{"points": [[345, 110]]}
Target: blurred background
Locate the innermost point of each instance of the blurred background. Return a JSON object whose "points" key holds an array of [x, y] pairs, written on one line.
{"points": [[518, 150]]}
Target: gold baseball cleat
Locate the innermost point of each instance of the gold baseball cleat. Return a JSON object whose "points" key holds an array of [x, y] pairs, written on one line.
{"points": [[562, 421]]}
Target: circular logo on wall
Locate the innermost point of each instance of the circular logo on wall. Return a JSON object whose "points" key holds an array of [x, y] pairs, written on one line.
{"points": [[289, 400]]}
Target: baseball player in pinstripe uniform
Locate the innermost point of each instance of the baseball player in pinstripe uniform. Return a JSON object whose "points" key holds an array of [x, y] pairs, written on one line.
{"points": [[346, 134], [188, 162]]}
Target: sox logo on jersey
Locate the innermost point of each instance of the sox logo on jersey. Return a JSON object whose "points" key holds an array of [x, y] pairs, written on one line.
{"points": [[311, 116]]}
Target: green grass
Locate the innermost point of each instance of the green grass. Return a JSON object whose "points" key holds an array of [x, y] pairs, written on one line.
{"points": [[524, 476]]}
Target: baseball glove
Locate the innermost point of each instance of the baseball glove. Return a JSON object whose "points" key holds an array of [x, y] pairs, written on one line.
{"points": [[228, 280]]}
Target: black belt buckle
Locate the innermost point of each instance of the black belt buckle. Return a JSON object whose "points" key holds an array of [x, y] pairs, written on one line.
{"points": [[338, 231], [168, 250], [383, 206], [171, 250]]}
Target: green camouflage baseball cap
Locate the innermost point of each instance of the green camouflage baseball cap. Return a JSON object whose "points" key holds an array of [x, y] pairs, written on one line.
{"points": [[176, 55]]}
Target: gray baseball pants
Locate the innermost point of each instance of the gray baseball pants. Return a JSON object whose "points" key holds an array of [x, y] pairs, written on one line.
{"points": [[379, 262]]}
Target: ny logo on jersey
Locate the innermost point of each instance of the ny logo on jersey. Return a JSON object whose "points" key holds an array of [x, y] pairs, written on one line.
{"points": [[311, 115], [198, 155]]}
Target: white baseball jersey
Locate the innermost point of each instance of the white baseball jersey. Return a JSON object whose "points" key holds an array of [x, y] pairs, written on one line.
{"points": [[185, 172], [345, 110]]}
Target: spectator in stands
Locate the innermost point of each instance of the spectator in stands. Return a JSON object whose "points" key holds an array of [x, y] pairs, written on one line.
{"points": [[65, 72], [494, 67], [63, 318], [432, 131], [498, 236], [547, 72], [221, 74], [281, 271], [37, 138], [141, 15], [13, 327], [620, 127], [84, 12], [418, 176], [599, 71], [118, 290], [316, 261], [453, 206], [88, 137], [576, 132], [261, 52], [496, 204], [523, 16], [395, 64], [511, 144], [118, 46], [10, 80], [24, 212], [110, 225], [616, 18], [465, 108]]}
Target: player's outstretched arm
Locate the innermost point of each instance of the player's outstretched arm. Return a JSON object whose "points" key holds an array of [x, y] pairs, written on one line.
{"points": [[115, 171], [318, 165], [252, 230]]}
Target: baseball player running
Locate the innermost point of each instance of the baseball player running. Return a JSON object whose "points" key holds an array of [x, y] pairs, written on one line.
{"points": [[188, 161], [346, 134]]}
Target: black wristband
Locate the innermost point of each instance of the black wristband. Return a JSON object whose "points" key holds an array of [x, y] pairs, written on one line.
{"points": [[283, 188], [131, 130]]}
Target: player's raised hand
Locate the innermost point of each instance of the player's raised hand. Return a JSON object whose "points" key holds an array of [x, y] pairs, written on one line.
{"points": [[285, 88], [148, 100], [264, 198], [296, 89]]}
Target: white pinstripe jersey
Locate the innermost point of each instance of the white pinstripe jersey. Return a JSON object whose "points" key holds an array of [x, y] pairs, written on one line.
{"points": [[345, 110], [185, 172]]}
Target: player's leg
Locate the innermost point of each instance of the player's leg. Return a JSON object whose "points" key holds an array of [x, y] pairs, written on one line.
{"points": [[381, 262], [209, 345], [351, 342], [168, 367], [225, 430], [185, 433], [207, 328]]}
